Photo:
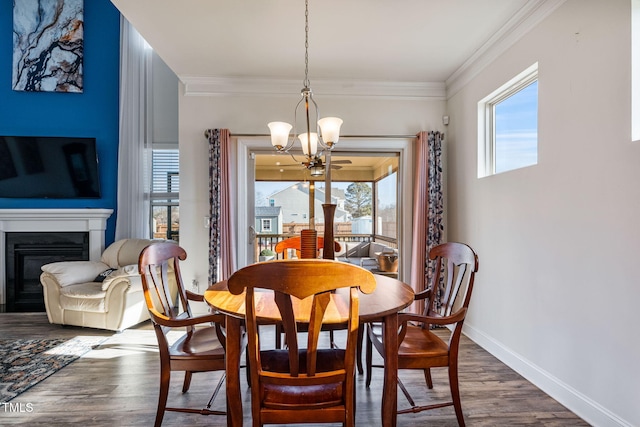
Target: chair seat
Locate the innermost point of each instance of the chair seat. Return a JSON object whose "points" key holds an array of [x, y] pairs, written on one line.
{"points": [[201, 344], [83, 297], [418, 345], [422, 345], [280, 396]]}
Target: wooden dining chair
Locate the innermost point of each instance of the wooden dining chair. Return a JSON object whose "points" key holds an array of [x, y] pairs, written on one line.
{"points": [[200, 349], [446, 302], [303, 384], [284, 246]]}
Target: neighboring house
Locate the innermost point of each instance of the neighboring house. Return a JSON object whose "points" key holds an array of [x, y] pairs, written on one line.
{"points": [[269, 219], [338, 198], [294, 201]]}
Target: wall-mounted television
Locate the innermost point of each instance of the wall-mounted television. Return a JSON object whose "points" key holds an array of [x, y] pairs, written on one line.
{"points": [[48, 167]]}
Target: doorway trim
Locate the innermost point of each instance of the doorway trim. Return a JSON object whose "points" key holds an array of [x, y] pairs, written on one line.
{"points": [[404, 146]]}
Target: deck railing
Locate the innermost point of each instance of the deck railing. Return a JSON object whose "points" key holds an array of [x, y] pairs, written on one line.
{"points": [[269, 241]]}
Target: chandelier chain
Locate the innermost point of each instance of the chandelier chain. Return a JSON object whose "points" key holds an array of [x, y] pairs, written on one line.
{"points": [[323, 137], [306, 81]]}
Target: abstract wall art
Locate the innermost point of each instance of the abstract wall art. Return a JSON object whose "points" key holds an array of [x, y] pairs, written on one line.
{"points": [[48, 45]]}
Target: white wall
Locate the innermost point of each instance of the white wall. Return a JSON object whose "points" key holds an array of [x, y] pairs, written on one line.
{"points": [[250, 115], [635, 42], [557, 289], [164, 102]]}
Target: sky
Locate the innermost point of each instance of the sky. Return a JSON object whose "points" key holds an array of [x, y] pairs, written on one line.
{"points": [[516, 120]]}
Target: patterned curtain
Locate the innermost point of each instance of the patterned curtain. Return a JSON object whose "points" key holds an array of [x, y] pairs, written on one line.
{"points": [[221, 227], [428, 208]]}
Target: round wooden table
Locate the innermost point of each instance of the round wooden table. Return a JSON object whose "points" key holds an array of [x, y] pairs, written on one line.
{"points": [[390, 297]]}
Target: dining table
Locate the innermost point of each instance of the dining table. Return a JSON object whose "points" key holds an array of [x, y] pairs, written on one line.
{"points": [[383, 305]]}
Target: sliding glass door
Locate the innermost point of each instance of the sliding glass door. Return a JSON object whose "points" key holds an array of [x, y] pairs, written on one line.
{"points": [[370, 189]]}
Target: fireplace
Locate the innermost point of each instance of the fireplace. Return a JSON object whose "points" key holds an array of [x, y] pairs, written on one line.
{"points": [[26, 253], [47, 235]]}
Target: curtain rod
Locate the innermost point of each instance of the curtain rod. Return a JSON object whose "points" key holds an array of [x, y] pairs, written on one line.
{"points": [[265, 135]]}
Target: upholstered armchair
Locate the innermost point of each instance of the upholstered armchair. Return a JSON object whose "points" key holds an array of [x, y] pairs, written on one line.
{"points": [[105, 294]]}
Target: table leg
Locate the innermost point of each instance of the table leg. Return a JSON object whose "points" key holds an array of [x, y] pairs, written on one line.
{"points": [[232, 358], [390, 385]]}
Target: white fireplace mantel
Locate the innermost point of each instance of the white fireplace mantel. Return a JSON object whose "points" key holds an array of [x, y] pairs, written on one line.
{"points": [[92, 221]]}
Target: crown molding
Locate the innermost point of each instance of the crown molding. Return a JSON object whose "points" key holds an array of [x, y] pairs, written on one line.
{"points": [[530, 15], [220, 86]]}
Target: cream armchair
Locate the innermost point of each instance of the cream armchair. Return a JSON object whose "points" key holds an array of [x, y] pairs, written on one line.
{"points": [[105, 294]]}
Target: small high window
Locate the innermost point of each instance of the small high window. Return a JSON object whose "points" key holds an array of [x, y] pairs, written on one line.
{"points": [[508, 125], [165, 193]]}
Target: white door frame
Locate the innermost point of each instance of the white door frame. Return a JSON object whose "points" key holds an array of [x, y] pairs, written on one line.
{"points": [[246, 176]]}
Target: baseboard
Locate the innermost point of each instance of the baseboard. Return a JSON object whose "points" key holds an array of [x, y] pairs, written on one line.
{"points": [[581, 405]]}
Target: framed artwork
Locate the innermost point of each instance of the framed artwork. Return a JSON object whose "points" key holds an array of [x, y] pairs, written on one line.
{"points": [[48, 45]]}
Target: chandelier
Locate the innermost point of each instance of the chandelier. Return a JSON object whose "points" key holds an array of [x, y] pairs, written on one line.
{"points": [[326, 131]]}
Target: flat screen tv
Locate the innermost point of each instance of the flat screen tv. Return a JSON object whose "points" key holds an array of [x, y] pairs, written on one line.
{"points": [[48, 167]]}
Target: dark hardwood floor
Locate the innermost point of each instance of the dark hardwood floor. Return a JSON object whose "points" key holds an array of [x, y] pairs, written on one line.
{"points": [[116, 384]]}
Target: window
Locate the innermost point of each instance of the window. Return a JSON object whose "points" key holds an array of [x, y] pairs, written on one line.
{"points": [[508, 125], [266, 225], [386, 206], [165, 188]]}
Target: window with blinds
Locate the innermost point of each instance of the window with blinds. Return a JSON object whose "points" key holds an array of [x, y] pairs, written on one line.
{"points": [[164, 166], [165, 190]]}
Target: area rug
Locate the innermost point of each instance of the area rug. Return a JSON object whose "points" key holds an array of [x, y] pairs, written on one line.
{"points": [[24, 363]]}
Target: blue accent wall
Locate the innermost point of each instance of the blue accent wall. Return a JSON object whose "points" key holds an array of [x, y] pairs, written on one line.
{"points": [[93, 113]]}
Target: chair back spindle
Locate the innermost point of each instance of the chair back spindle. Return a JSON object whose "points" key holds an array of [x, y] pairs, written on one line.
{"points": [[453, 282]]}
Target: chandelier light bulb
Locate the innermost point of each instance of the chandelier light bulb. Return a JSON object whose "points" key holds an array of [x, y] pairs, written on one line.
{"points": [[305, 144], [330, 130], [279, 134]]}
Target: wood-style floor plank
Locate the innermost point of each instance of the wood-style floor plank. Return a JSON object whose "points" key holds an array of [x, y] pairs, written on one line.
{"points": [[117, 383]]}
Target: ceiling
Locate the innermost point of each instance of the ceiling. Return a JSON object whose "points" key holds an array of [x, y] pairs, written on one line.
{"points": [[407, 48], [420, 42], [346, 167]]}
